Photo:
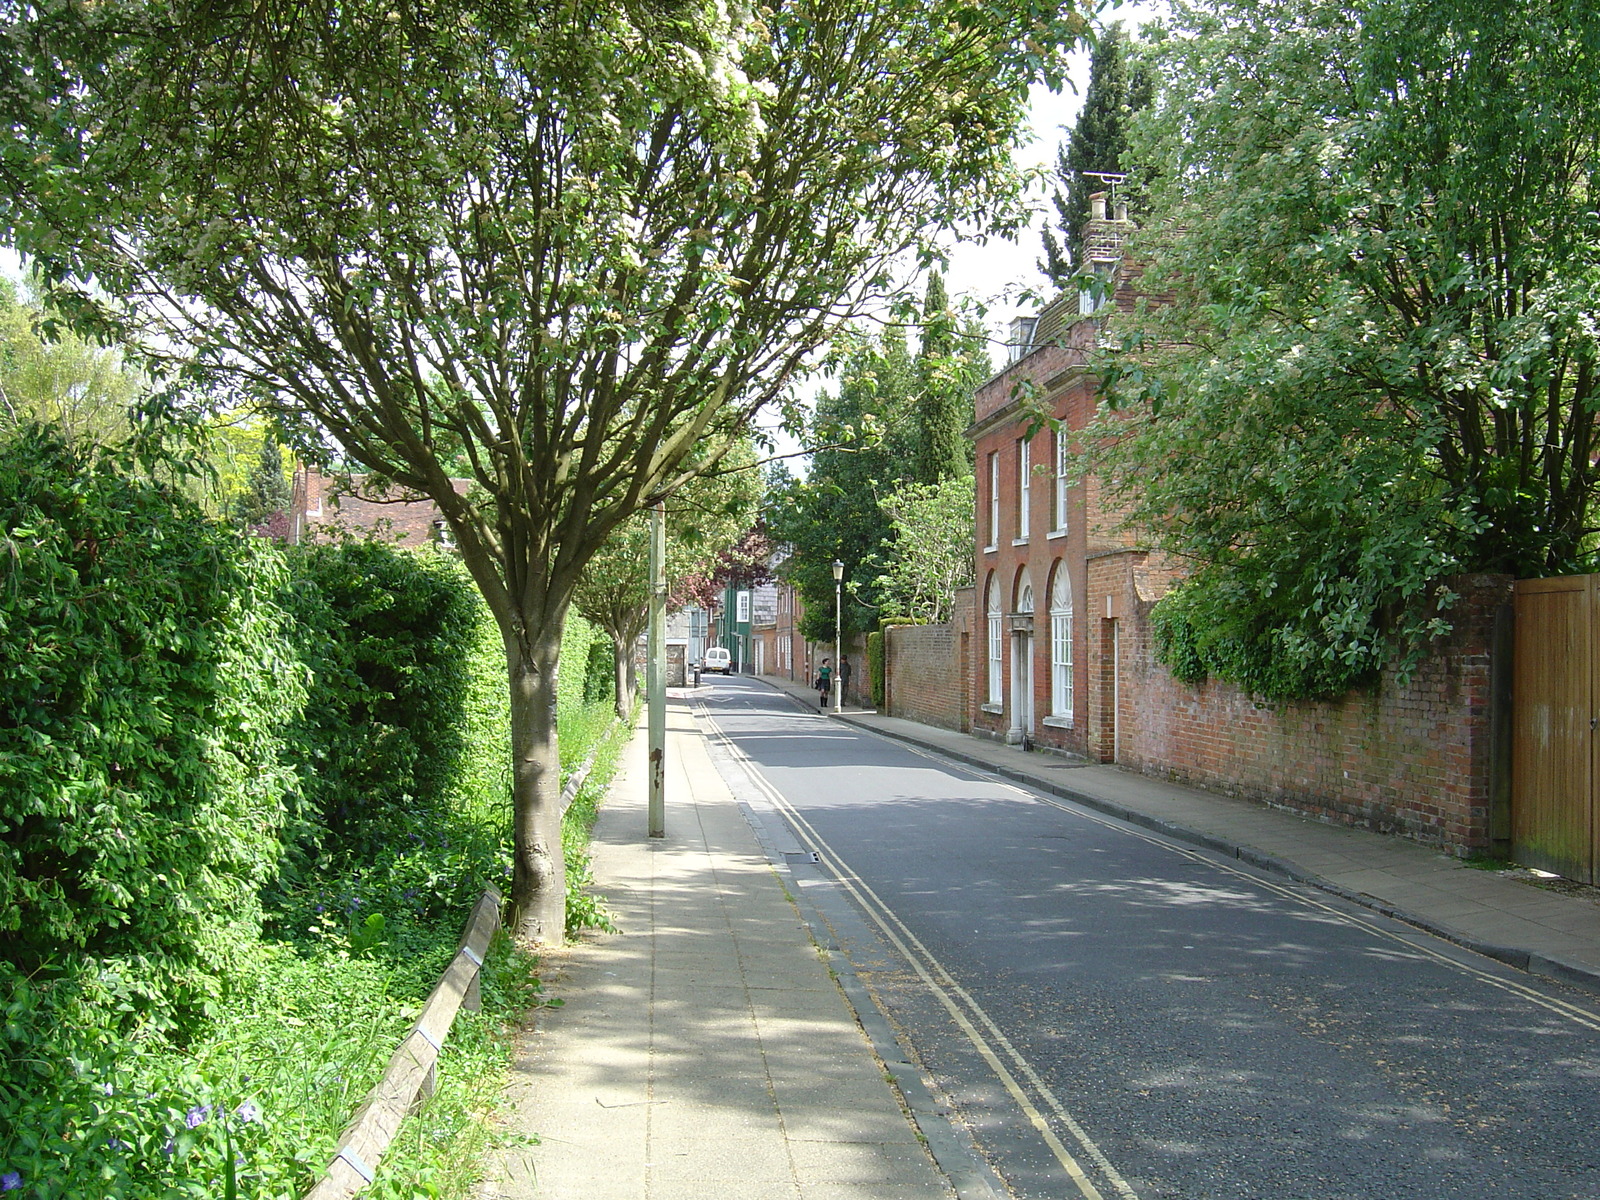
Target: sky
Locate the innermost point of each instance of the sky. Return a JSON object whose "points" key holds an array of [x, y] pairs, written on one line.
{"points": [[995, 272]]}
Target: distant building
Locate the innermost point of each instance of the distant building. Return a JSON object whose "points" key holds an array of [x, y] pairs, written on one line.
{"points": [[319, 506]]}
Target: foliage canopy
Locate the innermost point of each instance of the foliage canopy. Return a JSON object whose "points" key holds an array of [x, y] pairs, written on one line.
{"points": [[1374, 360], [571, 243]]}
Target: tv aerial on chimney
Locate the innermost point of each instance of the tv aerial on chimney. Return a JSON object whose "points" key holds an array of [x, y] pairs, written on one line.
{"points": [[1109, 178]]}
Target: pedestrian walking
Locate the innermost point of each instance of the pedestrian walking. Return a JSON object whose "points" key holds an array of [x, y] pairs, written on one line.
{"points": [[823, 684], [844, 678]]}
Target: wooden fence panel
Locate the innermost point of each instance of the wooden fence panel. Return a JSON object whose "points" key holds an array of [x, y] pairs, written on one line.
{"points": [[1554, 748]]}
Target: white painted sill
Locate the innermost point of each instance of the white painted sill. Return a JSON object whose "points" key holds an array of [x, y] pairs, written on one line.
{"points": [[1057, 722], [996, 709]]}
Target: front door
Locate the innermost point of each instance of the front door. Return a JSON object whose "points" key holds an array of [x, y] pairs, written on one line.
{"points": [[1021, 688]]}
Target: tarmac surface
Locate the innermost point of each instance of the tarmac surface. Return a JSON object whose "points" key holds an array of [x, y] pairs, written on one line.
{"points": [[713, 1049]]}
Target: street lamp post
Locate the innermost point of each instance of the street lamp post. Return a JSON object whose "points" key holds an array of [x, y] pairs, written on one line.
{"points": [[838, 621]]}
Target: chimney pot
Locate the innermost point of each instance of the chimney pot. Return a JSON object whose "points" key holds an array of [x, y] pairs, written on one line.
{"points": [[1097, 206], [1122, 210]]}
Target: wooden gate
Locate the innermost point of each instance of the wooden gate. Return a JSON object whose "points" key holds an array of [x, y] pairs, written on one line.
{"points": [[1553, 762]]}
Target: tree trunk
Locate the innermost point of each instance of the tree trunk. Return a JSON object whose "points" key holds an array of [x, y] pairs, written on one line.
{"points": [[623, 652], [539, 869]]}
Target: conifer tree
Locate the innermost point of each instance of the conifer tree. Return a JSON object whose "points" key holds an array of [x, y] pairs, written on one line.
{"points": [[949, 368], [268, 490], [1098, 143]]}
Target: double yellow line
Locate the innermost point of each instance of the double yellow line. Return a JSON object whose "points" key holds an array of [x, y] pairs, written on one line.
{"points": [[1031, 1094]]}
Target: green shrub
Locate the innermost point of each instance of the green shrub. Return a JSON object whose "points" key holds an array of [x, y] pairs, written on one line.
{"points": [[145, 684], [408, 707]]}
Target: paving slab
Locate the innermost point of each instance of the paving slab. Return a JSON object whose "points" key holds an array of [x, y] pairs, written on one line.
{"points": [[703, 1051]]}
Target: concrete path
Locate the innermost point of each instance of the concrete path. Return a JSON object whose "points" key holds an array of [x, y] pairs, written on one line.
{"points": [[1529, 927], [706, 1051]]}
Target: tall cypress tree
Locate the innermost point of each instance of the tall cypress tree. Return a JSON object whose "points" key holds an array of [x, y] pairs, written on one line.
{"points": [[947, 374], [1098, 142]]}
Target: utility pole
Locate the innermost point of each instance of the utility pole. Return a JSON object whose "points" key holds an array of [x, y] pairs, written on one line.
{"points": [[656, 669]]}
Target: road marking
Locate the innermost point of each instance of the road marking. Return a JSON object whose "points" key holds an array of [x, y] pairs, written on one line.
{"points": [[967, 1013]]}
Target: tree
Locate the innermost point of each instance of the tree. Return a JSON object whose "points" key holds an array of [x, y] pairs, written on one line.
{"points": [[1375, 362], [267, 490], [576, 244], [869, 440], [930, 553], [86, 391], [895, 420], [705, 519], [950, 367], [1098, 143]]}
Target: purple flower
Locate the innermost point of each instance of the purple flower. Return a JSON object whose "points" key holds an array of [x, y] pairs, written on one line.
{"points": [[197, 1115], [247, 1112], [11, 1181], [115, 1144], [169, 1148]]}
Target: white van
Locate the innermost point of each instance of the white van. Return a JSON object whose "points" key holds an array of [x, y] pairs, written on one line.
{"points": [[717, 659]]}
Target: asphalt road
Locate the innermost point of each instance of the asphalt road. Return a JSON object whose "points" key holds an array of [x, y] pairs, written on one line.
{"points": [[1114, 1015]]}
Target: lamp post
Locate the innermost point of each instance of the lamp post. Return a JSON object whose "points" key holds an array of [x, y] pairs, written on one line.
{"points": [[838, 621]]}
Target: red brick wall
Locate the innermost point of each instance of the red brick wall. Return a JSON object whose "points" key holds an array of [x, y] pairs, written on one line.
{"points": [[922, 666], [1411, 759]]}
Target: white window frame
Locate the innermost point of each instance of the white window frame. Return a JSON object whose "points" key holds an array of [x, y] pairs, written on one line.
{"points": [[993, 539], [1024, 492], [1061, 482], [1061, 697]]}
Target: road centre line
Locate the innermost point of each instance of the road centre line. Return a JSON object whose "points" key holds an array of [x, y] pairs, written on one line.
{"points": [[1579, 1015], [944, 988]]}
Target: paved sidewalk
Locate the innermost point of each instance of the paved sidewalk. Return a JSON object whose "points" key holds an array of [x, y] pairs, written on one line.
{"points": [[705, 1051], [1533, 929]]}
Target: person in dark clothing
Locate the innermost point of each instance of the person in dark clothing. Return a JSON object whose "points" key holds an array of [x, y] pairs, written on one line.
{"points": [[823, 684], [844, 677]]}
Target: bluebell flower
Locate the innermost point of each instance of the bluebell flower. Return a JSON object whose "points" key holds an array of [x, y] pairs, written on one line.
{"points": [[11, 1181]]}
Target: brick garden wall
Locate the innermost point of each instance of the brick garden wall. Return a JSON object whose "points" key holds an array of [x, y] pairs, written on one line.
{"points": [[1413, 759], [922, 665]]}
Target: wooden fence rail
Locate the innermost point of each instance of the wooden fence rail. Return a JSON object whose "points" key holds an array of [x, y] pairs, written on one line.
{"points": [[412, 1069]]}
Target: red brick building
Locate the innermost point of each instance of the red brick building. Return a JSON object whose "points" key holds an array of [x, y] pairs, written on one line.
{"points": [[1036, 529], [1062, 653], [318, 506]]}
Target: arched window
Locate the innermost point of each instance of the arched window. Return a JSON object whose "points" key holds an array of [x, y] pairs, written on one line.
{"points": [[1061, 643], [994, 640]]}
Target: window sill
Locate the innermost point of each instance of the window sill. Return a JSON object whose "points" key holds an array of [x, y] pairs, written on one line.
{"points": [[996, 709], [1056, 533], [1058, 722], [1019, 541], [990, 549]]}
